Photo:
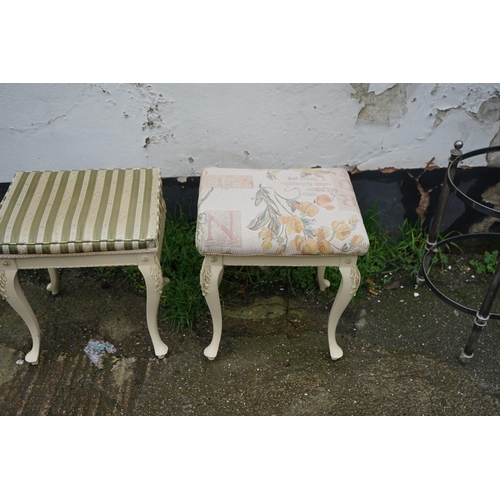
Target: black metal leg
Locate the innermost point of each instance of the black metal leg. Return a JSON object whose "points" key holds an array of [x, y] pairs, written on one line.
{"points": [[481, 318], [443, 199]]}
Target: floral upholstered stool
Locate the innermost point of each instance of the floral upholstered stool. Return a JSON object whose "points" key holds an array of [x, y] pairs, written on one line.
{"points": [[252, 217], [82, 218]]}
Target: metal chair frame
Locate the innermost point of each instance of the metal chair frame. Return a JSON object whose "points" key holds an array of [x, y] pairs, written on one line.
{"points": [[483, 314]]}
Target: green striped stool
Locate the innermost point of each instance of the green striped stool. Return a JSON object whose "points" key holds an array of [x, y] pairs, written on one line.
{"points": [[82, 218]]}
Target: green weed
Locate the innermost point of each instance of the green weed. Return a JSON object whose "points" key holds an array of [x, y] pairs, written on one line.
{"points": [[182, 300], [488, 264]]}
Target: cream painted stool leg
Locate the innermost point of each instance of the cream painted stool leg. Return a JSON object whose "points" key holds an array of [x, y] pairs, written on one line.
{"points": [[210, 278], [320, 278], [14, 295], [53, 286], [347, 290], [154, 284]]}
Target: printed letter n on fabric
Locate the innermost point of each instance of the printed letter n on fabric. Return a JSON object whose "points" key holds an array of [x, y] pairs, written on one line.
{"points": [[223, 228]]}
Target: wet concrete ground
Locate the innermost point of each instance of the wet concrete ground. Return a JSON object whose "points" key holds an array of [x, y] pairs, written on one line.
{"points": [[399, 355]]}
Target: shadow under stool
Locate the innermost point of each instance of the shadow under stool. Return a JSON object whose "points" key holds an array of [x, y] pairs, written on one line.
{"points": [[483, 314], [265, 217], [82, 218]]}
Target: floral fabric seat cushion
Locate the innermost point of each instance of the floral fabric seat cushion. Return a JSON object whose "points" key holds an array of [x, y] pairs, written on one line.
{"points": [[78, 211], [278, 212]]}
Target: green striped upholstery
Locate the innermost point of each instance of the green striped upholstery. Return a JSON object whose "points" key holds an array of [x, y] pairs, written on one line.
{"points": [[81, 211]]}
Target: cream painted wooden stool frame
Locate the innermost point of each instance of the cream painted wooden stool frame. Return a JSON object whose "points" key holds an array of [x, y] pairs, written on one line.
{"points": [[284, 217], [10, 290], [213, 269], [124, 208]]}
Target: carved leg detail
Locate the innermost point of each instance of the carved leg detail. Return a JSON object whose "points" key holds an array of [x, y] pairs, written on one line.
{"points": [[53, 286], [210, 276], [347, 290], [154, 283], [14, 295], [320, 278]]}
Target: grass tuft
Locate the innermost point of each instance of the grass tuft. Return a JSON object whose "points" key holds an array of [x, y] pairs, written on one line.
{"points": [[182, 300]]}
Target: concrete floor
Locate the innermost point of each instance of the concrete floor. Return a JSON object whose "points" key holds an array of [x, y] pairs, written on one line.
{"points": [[399, 347]]}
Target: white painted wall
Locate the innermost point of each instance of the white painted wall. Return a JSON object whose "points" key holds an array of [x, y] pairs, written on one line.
{"points": [[182, 128]]}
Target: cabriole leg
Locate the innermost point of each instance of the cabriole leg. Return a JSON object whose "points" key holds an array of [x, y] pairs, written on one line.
{"points": [[210, 276], [53, 286], [347, 290], [14, 295], [154, 284], [320, 278]]}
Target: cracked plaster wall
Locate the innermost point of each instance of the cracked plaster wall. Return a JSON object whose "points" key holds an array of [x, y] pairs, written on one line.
{"points": [[182, 128]]}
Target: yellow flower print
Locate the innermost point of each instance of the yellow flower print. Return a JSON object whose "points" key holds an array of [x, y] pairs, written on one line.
{"points": [[267, 245], [293, 224], [343, 232], [353, 221], [304, 246], [356, 240], [308, 208], [324, 247], [298, 243], [310, 247], [323, 200], [341, 229], [323, 233], [266, 234], [280, 250]]}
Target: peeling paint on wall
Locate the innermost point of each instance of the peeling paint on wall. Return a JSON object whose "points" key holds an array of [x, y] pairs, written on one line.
{"points": [[356, 126], [383, 106], [493, 159], [488, 111], [378, 88]]}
